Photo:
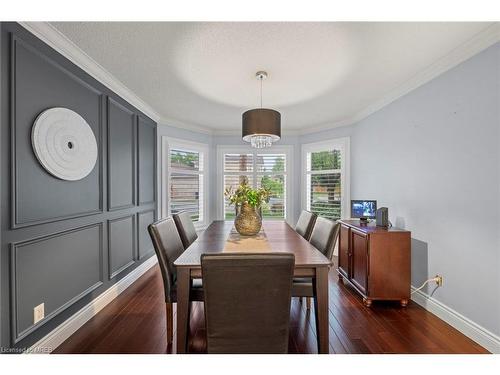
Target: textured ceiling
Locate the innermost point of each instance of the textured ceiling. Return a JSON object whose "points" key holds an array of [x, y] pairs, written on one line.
{"points": [[319, 73]]}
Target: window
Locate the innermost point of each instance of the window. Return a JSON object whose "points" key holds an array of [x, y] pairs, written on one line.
{"points": [[326, 184], [186, 185], [260, 168]]}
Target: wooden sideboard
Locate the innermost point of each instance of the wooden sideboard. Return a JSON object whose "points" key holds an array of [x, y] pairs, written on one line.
{"points": [[375, 261]]}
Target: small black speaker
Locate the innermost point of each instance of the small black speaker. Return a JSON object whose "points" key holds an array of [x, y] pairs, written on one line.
{"points": [[382, 217]]}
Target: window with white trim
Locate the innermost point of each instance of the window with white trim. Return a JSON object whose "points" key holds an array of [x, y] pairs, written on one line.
{"points": [[269, 169], [186, 185], [326, 180]]}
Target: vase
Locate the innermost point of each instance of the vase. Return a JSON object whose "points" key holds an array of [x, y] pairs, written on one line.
{"points": [[248, 221]]}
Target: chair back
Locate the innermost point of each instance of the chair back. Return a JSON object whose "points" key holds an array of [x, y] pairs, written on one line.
{"points": [[168, 246], [305, 224], [247, 302], [324, 236], [186, 228]]}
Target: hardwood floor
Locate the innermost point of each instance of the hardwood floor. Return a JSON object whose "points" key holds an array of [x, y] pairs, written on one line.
{"points": [[135, 323]]}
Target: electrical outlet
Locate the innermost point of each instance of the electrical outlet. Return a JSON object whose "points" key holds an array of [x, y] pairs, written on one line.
{"points": [[38, 313], [439, 280]]}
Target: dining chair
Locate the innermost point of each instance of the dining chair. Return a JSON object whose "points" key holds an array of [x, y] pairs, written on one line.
{"points": [[168, 246], [186, 228], [247, 302], [323, 237], [305, 224]]}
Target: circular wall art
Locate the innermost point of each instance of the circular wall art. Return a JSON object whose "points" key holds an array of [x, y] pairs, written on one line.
{"points": [[64, 144]]}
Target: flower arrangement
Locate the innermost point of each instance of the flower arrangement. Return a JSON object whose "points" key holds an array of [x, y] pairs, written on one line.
{"points": [[246, 194]]}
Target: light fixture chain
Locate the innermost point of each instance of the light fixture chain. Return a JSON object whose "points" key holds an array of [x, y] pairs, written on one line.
{"points": [[261, 91]]}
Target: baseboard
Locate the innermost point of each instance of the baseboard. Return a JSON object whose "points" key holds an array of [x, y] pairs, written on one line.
{"points": [[474, 331], [72, 324]]}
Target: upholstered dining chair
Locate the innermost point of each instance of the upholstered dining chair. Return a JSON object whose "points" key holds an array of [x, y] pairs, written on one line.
{"points": [[305, 224], [168, 246], [247, 302], [186, 228], [323, 237]]}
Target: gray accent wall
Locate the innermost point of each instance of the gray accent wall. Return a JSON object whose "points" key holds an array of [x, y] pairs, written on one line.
{"points": [[63, 243], [433, 158], [41, 266], [121, 156], [121, 244], [39, 83]]}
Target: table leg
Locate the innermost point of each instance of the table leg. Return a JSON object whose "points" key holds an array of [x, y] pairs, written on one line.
{"points": [[321, 309], [183, 281]]}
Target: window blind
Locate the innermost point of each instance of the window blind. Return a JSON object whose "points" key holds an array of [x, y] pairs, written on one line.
{"points": [[238, 162], [276, 184], [261, 170], [186, 183], [272, 163], [324, 190]]}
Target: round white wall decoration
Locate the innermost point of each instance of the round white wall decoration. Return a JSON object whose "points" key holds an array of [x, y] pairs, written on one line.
{"points": [[64, 144]]}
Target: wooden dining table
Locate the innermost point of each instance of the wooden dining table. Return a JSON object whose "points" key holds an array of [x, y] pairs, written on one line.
{"points": [[275, 236]]}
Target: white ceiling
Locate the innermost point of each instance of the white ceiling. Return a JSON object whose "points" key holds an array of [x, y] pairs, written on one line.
{"points": [[319, 73]]}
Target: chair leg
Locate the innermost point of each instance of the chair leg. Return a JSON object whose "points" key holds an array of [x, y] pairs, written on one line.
{"points": [[170, 323], [308, 301]]}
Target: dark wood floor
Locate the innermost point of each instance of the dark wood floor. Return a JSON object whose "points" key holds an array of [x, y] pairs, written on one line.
{"points": [[135, 323]]}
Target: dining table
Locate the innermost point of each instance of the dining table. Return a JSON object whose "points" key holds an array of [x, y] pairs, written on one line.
{"points": [[274, 237]]}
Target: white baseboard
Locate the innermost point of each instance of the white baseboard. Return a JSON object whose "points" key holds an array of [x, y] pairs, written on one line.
{"points": [[474, 331], [73, 323]]}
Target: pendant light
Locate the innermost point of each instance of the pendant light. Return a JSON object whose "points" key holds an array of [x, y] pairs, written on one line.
{"points": [[261, 126]]}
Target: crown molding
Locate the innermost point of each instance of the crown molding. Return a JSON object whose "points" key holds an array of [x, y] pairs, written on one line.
{"points": [[55, 39], [473, 46], [185, 126], [58, 41]]}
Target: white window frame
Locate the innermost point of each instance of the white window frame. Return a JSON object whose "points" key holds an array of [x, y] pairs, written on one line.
{"points": [[342, 144], [169, 143], [238, 149]]}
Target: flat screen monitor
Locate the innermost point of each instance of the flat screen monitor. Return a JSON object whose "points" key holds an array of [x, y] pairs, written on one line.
{"points": [[363, 208]]}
